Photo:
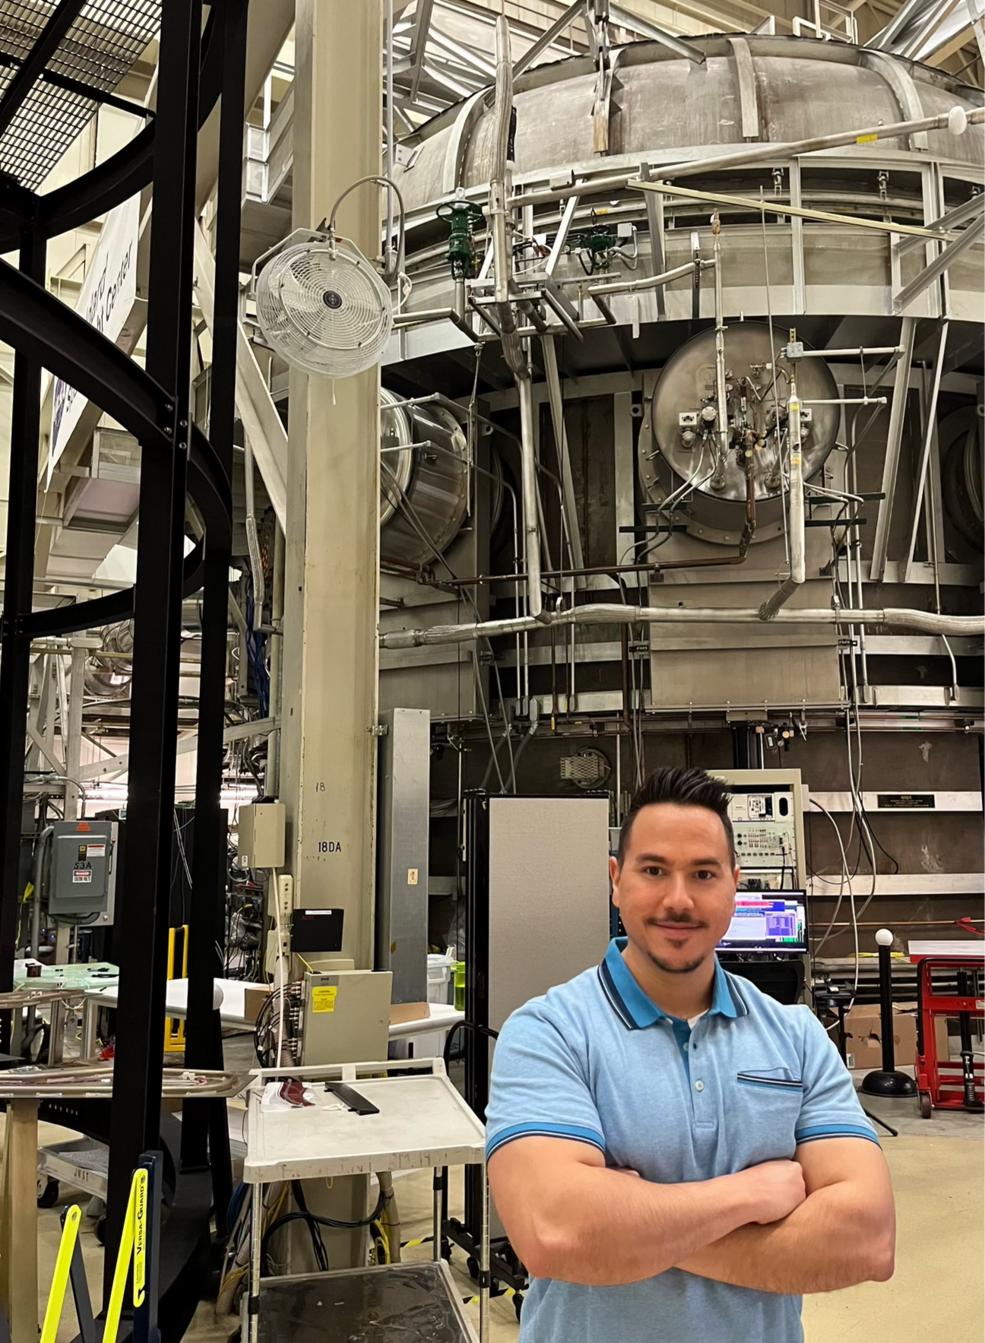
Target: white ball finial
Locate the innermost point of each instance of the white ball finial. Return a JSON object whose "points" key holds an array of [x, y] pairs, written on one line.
{"points": [[217, 996], [957, 121], [884, 937]]}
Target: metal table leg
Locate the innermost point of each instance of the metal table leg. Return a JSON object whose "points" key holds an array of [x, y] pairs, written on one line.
{"points": [[19, 1238], [484, 1263], [90, 1021], [256, 1244]]}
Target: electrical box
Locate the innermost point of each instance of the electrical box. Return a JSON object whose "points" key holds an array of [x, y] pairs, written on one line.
{"points": [[261, 835], [81, 878], [346, 1017], [767, 814]]}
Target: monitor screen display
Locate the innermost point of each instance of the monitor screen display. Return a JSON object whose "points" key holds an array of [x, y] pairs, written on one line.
{"points": [[768, 924]]}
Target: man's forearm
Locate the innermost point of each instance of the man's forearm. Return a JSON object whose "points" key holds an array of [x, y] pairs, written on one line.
{"points": [[831, 1241], [609, 1228]]}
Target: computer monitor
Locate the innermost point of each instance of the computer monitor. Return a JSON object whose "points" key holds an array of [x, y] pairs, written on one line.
{"points": [[768, 923]]}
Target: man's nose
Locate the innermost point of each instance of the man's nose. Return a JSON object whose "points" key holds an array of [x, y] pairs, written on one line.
{"points": [[677, 898]]}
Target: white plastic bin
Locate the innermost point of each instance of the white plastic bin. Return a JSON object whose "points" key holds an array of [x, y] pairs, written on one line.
{"points": [[441, 985]]}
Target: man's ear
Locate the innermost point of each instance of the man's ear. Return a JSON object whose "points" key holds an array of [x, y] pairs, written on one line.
{"points": [[614, 878]]}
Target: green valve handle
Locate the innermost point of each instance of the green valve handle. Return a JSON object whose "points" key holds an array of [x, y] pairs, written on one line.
{"points": [[461, 217]]}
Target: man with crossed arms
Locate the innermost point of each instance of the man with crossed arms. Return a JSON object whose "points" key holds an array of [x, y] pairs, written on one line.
{"points": [[676, 1157]]}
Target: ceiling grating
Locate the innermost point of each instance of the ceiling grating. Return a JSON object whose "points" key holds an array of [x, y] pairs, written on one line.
{"points": [[99, 49]]}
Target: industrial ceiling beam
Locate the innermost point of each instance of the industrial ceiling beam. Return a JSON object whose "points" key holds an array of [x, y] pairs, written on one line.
{"points": [[639, 25], [560, 25]]}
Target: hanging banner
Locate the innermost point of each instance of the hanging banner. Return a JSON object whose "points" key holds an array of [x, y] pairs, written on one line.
{"points": [[105, 302]]}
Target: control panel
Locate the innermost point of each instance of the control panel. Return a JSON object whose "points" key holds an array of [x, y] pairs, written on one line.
{"points": [[766, 811]]}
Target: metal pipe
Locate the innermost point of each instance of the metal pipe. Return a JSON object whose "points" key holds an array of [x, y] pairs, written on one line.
{"points": [[926, 622], [649, 281], [848, 401], [500, 189], [721, 395], [849, 354], [272, 779], [816, 143], [528, 480], [390, 157], [798, 535]]}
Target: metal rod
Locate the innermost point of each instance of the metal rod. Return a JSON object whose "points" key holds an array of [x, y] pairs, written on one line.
{"points": [[256, 1256], [931, 419], [940, 264], [781, 208], [971, 207], [798, 542], [528, 474], [390, 157], [564, 456], [848, 401], [721, 395], [812, 145], [894, 441], [848, 354], [90, 1019], [565, 20]]}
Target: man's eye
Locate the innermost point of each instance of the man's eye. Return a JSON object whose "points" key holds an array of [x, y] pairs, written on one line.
{"points": [[653, 871], [704, 875]]}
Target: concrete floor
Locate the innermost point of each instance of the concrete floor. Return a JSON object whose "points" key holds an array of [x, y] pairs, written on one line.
{"points": [[936, 1294]]}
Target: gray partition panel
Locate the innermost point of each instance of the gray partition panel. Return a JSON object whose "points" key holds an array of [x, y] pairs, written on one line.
{"points": [[548, 895]]}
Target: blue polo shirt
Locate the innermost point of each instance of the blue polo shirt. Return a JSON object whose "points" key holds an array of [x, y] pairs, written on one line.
{"points": [[596, 1061]]}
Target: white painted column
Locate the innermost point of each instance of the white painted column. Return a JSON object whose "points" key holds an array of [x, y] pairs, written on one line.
{"points": [[330, 669]]}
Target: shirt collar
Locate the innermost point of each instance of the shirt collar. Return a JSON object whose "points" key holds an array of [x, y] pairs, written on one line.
{"points": [[637, 1010]]}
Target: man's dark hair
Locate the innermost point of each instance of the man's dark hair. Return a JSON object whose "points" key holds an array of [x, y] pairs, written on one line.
{"points": [[681, 788]]}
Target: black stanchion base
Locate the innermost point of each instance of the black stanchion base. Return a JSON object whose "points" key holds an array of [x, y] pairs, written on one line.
{"points": [[889, 1084]]}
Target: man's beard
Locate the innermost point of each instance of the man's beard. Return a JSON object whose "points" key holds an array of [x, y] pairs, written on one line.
{"points": [[669, 969]]}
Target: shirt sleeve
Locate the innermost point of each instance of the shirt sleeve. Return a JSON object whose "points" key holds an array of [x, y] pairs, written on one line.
{"points": [[538, 1086], [830, 1109]]}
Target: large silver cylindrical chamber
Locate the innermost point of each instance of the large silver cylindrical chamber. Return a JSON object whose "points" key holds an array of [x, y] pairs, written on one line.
{"points": [[680, 447], [424, 480]]}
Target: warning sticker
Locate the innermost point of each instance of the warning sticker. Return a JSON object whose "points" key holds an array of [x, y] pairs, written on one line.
{"points": [[83, 874], [323, 999], [95, 850]]}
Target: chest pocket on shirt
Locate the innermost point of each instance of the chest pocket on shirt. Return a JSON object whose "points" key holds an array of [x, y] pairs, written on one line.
{"points": [[767, 1104]]}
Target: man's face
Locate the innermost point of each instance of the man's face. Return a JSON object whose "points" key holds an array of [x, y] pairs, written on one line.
{"points": [[676, 888]]}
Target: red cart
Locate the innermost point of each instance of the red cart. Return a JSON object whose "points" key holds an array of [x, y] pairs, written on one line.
{"points": [[949, 1084]]}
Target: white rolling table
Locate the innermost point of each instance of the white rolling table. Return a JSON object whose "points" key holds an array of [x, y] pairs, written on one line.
{"points": [[421, 1121]]}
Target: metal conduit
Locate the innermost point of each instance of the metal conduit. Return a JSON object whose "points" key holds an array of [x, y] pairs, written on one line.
{"points": [[925, 622]]}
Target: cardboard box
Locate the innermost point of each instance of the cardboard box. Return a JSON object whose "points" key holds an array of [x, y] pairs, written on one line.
{"points": [[863, 1026], [403, 1012], [253, 1000]]}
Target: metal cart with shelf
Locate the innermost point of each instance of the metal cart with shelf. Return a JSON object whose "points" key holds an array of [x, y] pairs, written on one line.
{"points": [[420, 1121], [948, 1084]]}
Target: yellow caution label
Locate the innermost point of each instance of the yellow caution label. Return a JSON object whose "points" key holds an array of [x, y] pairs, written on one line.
{"points": [[865, 139], [323, 999], [139, 1236]]}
